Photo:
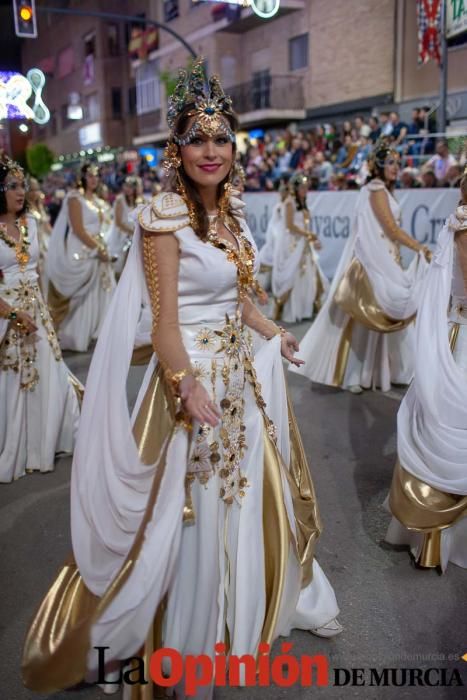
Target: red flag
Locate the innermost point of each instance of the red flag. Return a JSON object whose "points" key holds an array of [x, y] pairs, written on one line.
{"points": [[429, 30]]}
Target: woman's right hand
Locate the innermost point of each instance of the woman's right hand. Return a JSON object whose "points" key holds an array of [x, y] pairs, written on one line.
{"points": [[426, 252], [24, 322], [197, 402]]}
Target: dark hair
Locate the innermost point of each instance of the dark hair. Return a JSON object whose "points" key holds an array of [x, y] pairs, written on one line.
{"points": [[3, 205], [83, 172], [301, 206], [190, 187]]}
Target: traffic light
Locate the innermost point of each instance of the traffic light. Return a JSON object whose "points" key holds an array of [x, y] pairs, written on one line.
{"points": [[25, 18]]}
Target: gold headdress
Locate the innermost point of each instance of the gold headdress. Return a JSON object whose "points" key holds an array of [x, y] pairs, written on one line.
{"points": [[380, 152], [208, 102], [298, 179], [9, 167]]}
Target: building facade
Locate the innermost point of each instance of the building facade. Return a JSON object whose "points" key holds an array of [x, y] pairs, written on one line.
{"points": [[315, 61]]}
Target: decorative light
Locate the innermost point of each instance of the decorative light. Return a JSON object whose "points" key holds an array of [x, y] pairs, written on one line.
{"points": [[265, 8], [24, 128], [15, 91]]}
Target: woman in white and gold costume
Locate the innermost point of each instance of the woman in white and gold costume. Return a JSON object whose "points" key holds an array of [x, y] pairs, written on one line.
{"points": [[37, 210], [428, 496], [194, 521], [122, 226], [266, 252], [39, 403], [363, 335], [79, 265], [298, 283]]}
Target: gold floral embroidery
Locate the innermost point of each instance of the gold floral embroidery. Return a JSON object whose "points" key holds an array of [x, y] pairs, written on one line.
{"points": [[199, 371], [205, 340]]}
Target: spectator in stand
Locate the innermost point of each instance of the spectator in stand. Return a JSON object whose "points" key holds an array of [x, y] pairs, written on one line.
{"points": [[429, 178], [442, 161], [322, 171], [296, 157], [409, 179], [283, 161], [453, 176], [346, 128], [346, 153], [386, 124], [399, 129], [375, 129], [363, 130]]}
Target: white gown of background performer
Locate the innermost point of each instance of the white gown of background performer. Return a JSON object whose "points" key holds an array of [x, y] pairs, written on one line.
{"points": [[129, 497], [298, 283], [39, 397], [119, 240], [81, 286], [429, 491], [266, 252], [370, 290]]}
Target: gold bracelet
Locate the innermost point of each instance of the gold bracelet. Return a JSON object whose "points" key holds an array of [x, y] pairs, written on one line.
{"points": [[278, 331], [174, 378]]}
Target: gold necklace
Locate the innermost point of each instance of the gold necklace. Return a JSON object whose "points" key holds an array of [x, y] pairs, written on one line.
{"points": [[21, 245], [243, 257]]}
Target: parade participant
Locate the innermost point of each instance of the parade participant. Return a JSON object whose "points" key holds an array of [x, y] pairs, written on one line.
{"points": [[36, 209], [298, 283], [39, 407], [428, 496], [79, 265], [122, 227], [363, 336], [207, 490], [266, 253]]}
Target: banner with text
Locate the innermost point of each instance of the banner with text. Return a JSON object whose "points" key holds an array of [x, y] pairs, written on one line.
{"points": [[423, 214]]}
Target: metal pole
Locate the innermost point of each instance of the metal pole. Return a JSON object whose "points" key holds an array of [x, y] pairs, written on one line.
{"points": [[119, 18], [443, 82]]}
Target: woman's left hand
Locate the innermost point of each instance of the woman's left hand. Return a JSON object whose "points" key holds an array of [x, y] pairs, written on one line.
{"points": [[289, 346]]}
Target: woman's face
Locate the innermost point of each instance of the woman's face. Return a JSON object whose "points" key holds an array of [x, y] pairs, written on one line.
{"points": [[391, 168], [15, 193], [34, 193], [207, 160], [92, 181], [129, 189]]}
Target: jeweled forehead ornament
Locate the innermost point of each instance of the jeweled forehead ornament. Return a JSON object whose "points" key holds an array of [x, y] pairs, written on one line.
{"points": [[209, 104], [10, 168]]}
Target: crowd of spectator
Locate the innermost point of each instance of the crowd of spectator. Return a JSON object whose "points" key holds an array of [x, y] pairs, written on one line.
{"points": [[336, 158]]}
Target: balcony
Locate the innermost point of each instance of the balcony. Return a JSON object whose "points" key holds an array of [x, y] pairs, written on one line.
{"points": [[268, 100], [242, 19]]}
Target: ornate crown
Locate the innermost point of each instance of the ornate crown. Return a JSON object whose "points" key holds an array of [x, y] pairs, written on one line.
{"points": [[10, 167], [210, 104], [298, 179], [380, 152]]}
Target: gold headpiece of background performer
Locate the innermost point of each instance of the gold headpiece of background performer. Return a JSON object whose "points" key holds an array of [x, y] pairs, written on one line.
{"points": [[380, 152], [9, 167]]}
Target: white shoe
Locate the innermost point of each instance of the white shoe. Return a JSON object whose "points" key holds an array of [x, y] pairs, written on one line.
{"points": [[355, 389], [330, 629], [110, 688]]}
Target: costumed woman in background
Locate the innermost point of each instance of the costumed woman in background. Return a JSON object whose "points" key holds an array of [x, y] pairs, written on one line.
{"points": [[206, 490], [122, 228], [79, 265], [36, 209], [363, 335], [298, 283], [266, 253], [39, 409], [428, 496]]}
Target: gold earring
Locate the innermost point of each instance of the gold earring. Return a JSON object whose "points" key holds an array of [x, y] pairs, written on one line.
{"points": [[172, 159]]}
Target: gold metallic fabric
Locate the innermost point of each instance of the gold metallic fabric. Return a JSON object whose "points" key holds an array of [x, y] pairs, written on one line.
{"points": [[77, 386], [59, 306], [58, 640], [280, 302], [305, 505], [421, 507], [430, 554], [343, 353], [453, 335], [142, 355], [155, 419], [355, 296]]}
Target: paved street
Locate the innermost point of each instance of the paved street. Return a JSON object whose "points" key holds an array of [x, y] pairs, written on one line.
{"points": [[394, 615]]}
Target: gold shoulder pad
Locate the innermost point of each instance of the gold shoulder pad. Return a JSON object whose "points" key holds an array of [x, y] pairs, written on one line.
{"points": [[166, 212]]}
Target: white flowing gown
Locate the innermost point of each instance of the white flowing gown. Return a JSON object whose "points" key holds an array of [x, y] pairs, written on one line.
{"points": [[78, 275], [119, 241], [213, 568], [298, 282], [375, 359], [432, 419], [39, 409]]}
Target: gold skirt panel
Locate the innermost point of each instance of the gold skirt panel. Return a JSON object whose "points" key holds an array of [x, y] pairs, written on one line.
{"points": [[59, 306], [355, 296]]}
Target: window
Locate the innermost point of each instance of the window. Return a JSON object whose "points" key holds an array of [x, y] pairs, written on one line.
{"points": [[261, 89], [148, 94], [298, 52], [116, 99], [113, 48], [92, 111], [90, 45], [132, 99], [170, 10]]}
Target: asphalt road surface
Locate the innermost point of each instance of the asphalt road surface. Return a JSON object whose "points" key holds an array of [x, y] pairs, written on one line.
{"points": [[394, 615]]}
